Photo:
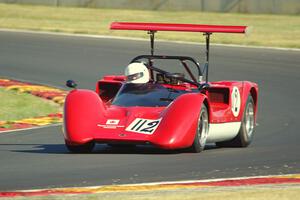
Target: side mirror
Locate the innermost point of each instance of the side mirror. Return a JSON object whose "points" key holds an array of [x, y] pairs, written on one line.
{"points": [[71, 84]]}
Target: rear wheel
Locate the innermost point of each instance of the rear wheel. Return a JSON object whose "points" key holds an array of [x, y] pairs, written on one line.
{"points": [[245, 135], [84, 148], [202, 131]]}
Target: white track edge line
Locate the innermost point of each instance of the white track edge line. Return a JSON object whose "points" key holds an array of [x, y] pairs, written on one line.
{"points": [[141, 39], [163, 182]]}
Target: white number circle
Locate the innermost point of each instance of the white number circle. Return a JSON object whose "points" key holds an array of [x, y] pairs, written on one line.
{"points": [[235, 101]]}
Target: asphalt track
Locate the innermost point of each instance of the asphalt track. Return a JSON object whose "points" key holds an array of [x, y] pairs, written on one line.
{"points": [[38, 158]]}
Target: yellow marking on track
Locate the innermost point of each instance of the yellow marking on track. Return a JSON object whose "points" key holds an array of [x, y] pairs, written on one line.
{"points": [[297, 176], [60, 100], [127, 188], [32, 88], [4, 80], [39, 121]]}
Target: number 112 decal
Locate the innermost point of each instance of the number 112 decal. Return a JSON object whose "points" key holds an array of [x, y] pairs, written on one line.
{"points": [[145, 126]]}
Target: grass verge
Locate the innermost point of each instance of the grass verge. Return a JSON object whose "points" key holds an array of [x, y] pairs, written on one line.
{"points": [[16, 106], [269, 30]]}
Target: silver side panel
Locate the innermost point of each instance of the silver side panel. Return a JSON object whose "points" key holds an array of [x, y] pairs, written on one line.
{"points": [[223, 131]]}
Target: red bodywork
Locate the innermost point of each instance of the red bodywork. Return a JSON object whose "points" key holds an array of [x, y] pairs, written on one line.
{"points": [[89, 116], [86, 111]]}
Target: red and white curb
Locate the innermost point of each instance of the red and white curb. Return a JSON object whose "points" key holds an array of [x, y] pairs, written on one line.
{"points": [[45, 92], [231, 182]]}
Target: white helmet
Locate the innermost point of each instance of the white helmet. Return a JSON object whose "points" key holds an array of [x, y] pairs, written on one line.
{"points": [[137, 73]]}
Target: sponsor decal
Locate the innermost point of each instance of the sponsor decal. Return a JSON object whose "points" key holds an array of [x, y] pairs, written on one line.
{"points": [[144, 126], [235, 101], [111, 124]]}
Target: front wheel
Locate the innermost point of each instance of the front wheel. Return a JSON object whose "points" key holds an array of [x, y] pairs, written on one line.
{"points": [[83, 148], [245, 135], [202, 131]]}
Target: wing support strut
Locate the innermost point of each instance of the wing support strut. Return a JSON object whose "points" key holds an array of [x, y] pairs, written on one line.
{"points": [[207, 41], [152, 34]]}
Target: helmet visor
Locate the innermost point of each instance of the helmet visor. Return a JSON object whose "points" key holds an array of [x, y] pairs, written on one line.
{"points": [[135, 76]]}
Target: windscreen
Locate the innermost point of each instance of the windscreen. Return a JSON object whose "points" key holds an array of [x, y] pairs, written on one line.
{"points": [[147, 95]]}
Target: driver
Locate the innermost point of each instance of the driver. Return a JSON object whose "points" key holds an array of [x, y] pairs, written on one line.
{"points": [[137, 73]]}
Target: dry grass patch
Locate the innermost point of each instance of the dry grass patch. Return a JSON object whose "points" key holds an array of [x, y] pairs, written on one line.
{"points": [[269, 30]]}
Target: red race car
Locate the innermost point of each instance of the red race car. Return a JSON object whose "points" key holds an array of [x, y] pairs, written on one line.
{"points": [[150, 105]]}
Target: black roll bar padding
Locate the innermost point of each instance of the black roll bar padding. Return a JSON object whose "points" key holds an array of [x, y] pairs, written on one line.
{"points": [[150, 63], [180, 58]]}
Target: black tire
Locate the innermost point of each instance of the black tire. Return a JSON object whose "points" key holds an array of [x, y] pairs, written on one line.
{"points": [[84, 148], [201, 132], [245, 135]]}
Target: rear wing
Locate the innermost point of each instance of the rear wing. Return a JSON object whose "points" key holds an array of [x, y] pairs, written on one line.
{"points": [[207, 30], [178, 27]]}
